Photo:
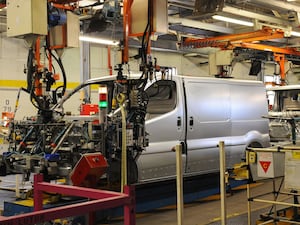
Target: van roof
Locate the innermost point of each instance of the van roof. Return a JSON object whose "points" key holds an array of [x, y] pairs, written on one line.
{"points": [[186, 77], [223, 80]]}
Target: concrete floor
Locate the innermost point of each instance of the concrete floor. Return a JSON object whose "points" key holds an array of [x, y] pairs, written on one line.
{"points": [[204, 211], [207, 211]]}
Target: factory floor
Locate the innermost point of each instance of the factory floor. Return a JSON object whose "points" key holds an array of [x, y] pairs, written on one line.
{"points": [[207, 211], [203, 211]]}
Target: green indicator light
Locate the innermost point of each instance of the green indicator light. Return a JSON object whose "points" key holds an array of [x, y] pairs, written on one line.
{"points": [[103, 104]]}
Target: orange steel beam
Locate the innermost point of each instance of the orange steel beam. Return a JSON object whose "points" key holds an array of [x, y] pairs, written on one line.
{"points": [[245, 40], [287, 51], [37, 83], [37, 53], [126, 28], [63, 1], [225, 41], [279, 55], [280, 59]]}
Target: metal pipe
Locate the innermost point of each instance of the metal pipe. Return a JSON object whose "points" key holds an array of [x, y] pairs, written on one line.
{"points": [[248, 191], [85, 68], [121, 98], [179, 184], [17, 186], [267, 222], [126, 29], [110, 70], [278, 149], [274, 199], [222, 182], [288, 221], [275, 202], [63, 138], [276, 4]]}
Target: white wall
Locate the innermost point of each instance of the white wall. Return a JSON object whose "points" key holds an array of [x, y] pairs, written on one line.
{"points": [[13, 57]]}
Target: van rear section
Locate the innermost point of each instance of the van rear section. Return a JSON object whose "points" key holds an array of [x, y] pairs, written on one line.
{"points": [[198, 113]]}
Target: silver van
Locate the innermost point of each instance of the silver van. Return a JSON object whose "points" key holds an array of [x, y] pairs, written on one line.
{"points": [[198, 112]]}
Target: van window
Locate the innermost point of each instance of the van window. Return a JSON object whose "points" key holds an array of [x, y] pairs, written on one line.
{"points": [[162, 97]]}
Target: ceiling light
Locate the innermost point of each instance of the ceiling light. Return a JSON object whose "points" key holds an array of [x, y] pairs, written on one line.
{"points": [[232, 20], [98, 40], [84, 3], [295, 33]]}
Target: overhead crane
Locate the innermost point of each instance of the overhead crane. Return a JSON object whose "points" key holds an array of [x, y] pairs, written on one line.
{"points": [[246, 40], [229, 41]]}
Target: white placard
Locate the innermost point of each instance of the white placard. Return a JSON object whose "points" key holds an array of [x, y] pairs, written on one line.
{"points": [[292, 169], [265, 164]]}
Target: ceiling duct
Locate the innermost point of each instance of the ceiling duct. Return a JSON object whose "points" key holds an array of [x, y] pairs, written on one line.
{"points": [[208, 6], [277, 5]]}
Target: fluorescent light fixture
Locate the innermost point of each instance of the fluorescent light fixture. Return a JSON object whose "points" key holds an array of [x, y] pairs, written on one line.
{"points": [[295, 33], [84, 3], [98, 40], [232, 20]]}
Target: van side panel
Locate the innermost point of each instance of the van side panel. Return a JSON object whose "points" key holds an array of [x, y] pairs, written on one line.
{"points": [[223, 110], [248, 106], [209, 110]]}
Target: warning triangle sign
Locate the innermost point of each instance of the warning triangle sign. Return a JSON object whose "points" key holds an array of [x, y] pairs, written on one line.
{"points": [[265, 165]]}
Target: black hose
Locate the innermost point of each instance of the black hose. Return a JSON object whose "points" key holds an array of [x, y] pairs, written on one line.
{"points": [[59, 62], [30, 69]]}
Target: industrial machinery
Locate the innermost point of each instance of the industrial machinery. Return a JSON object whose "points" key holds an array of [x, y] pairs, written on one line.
{"points": [[284, 112], [53, 143], [57, 145]]}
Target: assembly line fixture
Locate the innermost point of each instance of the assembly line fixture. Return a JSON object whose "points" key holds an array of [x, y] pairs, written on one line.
{"points": [[278, 162]]}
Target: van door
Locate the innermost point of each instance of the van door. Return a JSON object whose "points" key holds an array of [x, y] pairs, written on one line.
{"points": [[208, 122], [165, 126]]}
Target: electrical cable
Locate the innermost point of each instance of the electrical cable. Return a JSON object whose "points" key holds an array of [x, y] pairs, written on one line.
{"points": [[146, 36], [64, 86], [36, 102], [30, 68], [47, 55], [30, 81]]}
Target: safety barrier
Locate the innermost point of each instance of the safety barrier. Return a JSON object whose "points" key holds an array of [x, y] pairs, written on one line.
{"points": [[97, 200]]}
